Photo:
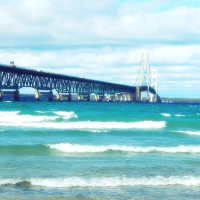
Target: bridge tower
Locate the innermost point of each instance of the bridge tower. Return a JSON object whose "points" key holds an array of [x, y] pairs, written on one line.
{"points": [[154, 84], [144, 76]]}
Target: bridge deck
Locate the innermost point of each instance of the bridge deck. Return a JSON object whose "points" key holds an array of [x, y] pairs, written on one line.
{"points": [[13, 77]]}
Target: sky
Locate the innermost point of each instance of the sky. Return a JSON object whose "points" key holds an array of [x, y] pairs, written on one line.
{"points": [[104, 39]]}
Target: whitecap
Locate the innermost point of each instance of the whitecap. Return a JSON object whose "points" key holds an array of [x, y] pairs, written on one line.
{"points": [[179, 115], [99, 131], [4, 113], [68, 182], [77, 148], [23, 120], [188, 132], [38, 111], [166, 114], [81, 125], [66, 115]]}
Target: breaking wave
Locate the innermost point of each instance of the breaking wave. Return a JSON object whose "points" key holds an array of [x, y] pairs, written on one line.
{"points": [[188, 132], [66, 115], [23, 120], [4, 113], [103, 182], [166, 114], [179, 115], [76, 148], [47, 122]]}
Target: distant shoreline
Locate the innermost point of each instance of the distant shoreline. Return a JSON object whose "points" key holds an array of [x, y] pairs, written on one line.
{"points": [[180, 100]]}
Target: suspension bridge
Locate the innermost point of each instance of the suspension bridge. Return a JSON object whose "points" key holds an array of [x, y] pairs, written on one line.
{"points": [[13, 78]]}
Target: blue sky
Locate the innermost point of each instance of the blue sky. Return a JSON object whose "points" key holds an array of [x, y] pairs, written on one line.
{"points": [[105, 39]]}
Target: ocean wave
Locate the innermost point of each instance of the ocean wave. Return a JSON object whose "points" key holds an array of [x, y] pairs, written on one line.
{"points": [[4, 113], [29, 121], [23, 120], [99, 131], [103, 182], [179, 115], [166, 114], [66, 115], [39, 111], [188, 132], [77, 148]]}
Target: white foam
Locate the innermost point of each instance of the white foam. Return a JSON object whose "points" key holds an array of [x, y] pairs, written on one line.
{"points": [[166, 114], [4, 113], [66, 115], [108, 181], [23, 120], [188, 132], [99, 131], [76, 148], [178, 115], [82, 125], [38, 111]]}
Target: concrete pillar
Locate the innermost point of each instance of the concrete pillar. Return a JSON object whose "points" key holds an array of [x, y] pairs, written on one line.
{"points": [[100, 97], [111, 98], [85, 97], [69, 97], [130, 96], [138, 94], [1, 95], [108, 98], [88, 98], [118, 97], [16, 95], [124, 97], [37, 95], [58, 97], [147, 97], [51, 96], [79, 97], [154, 98]]}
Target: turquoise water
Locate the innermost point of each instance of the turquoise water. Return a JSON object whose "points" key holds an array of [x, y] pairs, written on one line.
{"points": [[99, 150]]}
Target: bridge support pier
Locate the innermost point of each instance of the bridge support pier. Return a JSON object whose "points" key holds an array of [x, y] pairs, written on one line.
{"points": [[69, 97], [1, 95], [153, 98], [100, 97], [79, 97], [83, 97], [111, 98], [58, 97], [37, 95], [130, 97], [50, 95], [118, 97], [138, 94], [148, 96], [16, 95], [86, 97]]}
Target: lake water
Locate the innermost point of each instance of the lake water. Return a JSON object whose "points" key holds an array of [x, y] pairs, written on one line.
{"points": [[99, 150]]}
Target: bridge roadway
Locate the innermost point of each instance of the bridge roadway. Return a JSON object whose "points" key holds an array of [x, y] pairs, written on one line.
{"points": [[14, 78]]}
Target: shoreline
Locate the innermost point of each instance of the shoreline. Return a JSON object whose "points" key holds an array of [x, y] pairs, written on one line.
{"points": [[180, 100]]}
